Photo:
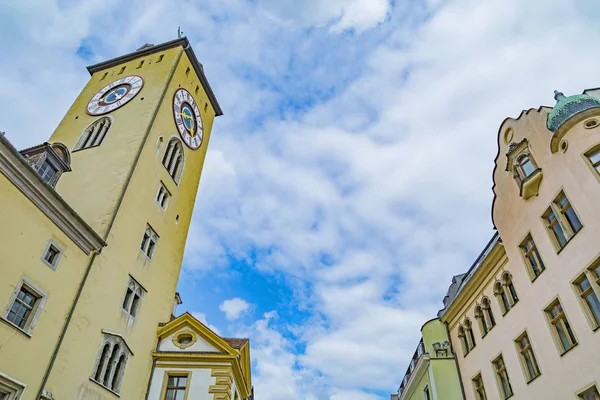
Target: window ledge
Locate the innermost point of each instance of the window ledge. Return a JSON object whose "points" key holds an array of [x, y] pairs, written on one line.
{"points": [[531, 186], [104, 387], [537, 276], [569, 349], [534, 378], [569, 240], [17, 328]]}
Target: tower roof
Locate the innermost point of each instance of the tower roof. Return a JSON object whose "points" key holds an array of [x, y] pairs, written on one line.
{"points": [[151, 49], [567, 107]]}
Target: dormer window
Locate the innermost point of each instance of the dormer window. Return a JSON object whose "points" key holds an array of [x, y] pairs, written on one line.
{"points": [[524, 169], [49, 161]]}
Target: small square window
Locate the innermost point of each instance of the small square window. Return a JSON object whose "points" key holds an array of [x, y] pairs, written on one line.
{"points": [[187, 71], [104, 76], [197, 89], [121, 71], [140, 64], [160, 58], [52, 255]]}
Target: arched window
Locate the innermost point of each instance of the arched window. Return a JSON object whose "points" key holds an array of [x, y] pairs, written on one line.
{"points": [[102, 362], [483, 324], [173, 159], [512, 293], [502, 297], [111, 363], [486, 305], [94, 134], [463, 340], [526, 166], [470, 335], [149, 241]]}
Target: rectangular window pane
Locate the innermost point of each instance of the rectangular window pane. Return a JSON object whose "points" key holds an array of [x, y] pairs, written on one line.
{"points": [[595, 157], [573, 219]]}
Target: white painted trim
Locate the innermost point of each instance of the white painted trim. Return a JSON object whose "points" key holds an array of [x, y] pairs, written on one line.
{"points": [[58, 257], [25, 178], [17, 389], [432, 382], [422, 365]]}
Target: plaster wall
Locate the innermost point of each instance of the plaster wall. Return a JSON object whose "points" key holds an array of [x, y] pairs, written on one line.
{"points": [[200, 382], [99, 176], [562, 375], [25, 234]]}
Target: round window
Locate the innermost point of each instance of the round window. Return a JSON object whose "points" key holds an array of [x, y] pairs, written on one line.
{"points": [[185, 339], [591, 123]]}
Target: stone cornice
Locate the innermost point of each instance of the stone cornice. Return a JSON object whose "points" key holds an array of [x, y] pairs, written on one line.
{"points": [[25, 178]]}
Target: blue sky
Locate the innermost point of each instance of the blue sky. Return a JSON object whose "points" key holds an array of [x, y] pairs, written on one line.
{"points": [[350, 176]]}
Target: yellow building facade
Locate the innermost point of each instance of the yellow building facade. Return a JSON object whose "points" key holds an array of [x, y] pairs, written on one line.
{"points": [[124, 164]]}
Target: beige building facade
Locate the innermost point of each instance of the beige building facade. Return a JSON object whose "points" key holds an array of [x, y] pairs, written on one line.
{"points": [[524, 320]]}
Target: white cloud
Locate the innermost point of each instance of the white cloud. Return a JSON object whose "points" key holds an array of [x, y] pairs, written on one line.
{"points": [[202, 318], [234, 308], [370, 190]]}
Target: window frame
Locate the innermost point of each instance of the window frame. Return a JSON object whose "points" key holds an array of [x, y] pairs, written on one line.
{"points": [[127, 305], [476, 388], [104, 124], [145, 243], [114, 362], [178, 373], [162, 189], [174, 150], [595, 168], [52, 265], [426, 393], [497, 373], [10, 387], [560, 219], [589, 388], [528, 349], [553, 329], [593, 277], [533, 251], [34, 314]]}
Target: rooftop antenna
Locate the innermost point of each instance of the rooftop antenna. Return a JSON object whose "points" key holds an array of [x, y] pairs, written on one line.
{"points": [[179, 32]]}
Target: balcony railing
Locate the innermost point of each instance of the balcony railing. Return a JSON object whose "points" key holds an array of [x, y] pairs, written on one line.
{"points": [[411, 367]]}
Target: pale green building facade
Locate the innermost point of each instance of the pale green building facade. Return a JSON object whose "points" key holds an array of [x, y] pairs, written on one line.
{"points": [[432, 373]]}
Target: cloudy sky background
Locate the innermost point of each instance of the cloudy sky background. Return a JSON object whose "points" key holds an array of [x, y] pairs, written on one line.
{"points": [[350, 176]]}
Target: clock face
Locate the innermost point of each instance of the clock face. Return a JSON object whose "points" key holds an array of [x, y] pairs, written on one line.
{"points": [[115, 95], [187, 118]]}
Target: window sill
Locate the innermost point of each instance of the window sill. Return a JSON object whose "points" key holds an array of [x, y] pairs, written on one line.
{"points": [[104, 387], [569, 349], [568, 240], [534, 378], [537, 276], [145, 256], [15, 327]]}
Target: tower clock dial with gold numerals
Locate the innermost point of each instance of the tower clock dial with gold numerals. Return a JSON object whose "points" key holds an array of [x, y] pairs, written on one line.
{"points": [[187, 118], [115, 95]]}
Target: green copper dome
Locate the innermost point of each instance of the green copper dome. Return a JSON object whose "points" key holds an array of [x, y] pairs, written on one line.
{"points": [[568, 107]]}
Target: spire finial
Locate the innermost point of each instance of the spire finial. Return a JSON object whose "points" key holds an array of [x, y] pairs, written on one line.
{"points": [[558, 95]]}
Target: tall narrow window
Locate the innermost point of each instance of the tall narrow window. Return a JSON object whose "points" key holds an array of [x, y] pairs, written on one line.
{"points": [[149, 241], [568, 213], [426, 393], [487, 312], [589, 298], [483, 324], [502, 376], [590, 394], [173, 159], [510, 287], [470, 335], [133, 297], [162, 197], [560, 324], [111, 362], [479, 388], [176, 387], [561, 221], [94, 134], [530, 365], [463, 340], [594, 157], [532, 257]]}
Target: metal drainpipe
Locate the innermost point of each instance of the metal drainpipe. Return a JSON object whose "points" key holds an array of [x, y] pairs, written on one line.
{"points": [[89, 267]]}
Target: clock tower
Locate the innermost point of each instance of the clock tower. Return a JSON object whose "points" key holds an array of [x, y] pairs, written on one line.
{"points": [[137, 135]]}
